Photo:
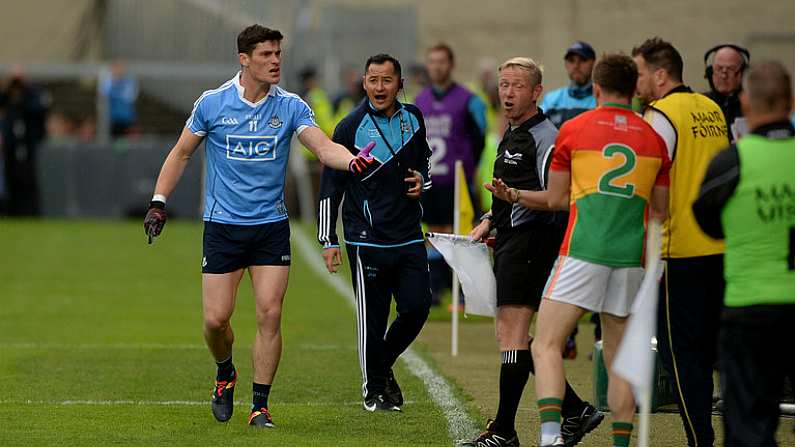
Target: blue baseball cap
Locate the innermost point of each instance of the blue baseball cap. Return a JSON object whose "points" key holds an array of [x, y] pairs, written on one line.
{"points": [[581, 48]]}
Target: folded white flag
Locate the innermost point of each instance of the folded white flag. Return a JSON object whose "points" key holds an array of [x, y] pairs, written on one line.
{"points": [[635, 359], [472, 264]]}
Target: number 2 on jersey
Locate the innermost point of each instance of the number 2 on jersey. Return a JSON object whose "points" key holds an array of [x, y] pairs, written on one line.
{"points": [[438, 151], [607, 183]]}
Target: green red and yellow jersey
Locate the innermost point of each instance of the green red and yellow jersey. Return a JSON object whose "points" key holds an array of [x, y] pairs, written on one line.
{"points": [[615, 159]]}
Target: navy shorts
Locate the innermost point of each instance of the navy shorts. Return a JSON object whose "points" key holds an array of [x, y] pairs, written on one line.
{"points": [[229, 247]]}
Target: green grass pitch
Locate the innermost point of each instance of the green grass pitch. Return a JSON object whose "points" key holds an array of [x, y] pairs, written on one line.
{"points": [[100, 344]]}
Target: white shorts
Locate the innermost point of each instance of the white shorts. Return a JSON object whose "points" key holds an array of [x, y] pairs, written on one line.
{"points": [[595, 287]]}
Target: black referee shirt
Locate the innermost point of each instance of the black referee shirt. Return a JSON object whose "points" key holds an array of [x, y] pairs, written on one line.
{"points": [[523, 159]]}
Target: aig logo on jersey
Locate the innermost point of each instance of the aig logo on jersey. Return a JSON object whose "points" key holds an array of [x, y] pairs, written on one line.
{"points": [[251, 147]]}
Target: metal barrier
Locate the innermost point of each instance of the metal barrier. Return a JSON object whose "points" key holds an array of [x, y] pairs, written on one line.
{"points": [[112, 180], [116, 180]]}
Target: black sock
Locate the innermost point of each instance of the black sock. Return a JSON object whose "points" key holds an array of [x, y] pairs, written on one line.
{"points": [[572, 404], [226, 370], [515, 369], [260, 396]]}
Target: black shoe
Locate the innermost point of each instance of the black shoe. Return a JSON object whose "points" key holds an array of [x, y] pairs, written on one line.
{"points": [[392, 389], [379, 402], [491, 438], [575, 427], [223, 402], [260, 418]]}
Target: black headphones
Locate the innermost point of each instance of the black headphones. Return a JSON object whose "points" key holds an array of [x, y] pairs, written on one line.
{"points": [[744, 53]]}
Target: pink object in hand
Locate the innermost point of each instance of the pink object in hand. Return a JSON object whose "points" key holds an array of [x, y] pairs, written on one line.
{"points": [[365, 152]]}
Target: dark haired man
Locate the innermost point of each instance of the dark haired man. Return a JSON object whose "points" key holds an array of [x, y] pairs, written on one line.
{"points": [[563, 104], [381, 219], [456, 123], [609, 169], [691, 295], [247, 124]]}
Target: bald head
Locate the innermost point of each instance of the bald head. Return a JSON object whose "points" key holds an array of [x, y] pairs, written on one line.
{"points": [[768, 90], [727, 70], [728, 56]]}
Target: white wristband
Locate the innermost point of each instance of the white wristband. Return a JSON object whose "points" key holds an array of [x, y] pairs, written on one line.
{"points": [[159, 198]]}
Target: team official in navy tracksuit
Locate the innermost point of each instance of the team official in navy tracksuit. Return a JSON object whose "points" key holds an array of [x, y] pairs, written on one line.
{"points": [[381, 220]]}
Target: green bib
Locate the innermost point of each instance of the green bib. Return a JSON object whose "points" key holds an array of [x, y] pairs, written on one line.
{"points": [[759, 223]]}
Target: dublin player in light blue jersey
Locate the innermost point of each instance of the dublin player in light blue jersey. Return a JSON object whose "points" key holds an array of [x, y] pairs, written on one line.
{"points": [[247, 124]]}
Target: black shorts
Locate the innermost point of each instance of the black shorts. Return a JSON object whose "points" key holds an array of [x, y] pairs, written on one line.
{"points": [[437, 205], [229, 247], [523, 259]]}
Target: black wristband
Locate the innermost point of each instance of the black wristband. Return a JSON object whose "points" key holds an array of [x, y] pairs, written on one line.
{"points": [[157, 204]]}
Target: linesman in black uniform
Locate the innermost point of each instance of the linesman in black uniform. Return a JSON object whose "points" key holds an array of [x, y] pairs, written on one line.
{"points": [[526, 246], [381, 219]]}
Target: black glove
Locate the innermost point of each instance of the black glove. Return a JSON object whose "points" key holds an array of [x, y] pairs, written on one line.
{"points": [[155, 219]]}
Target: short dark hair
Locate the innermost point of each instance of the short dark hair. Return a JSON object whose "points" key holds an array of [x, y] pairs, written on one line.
{"points": [[616, 73], [658, 53], [381, 58], [254, 34], [441, 46]]}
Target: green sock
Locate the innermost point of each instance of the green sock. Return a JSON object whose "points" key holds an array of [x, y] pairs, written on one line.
{"points": [[549, 409], [549, 413], [621, 433]]}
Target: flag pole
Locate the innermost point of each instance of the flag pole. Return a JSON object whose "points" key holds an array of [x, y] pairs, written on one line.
{"points": [[456, 229], [645, 414], [653, 242]]}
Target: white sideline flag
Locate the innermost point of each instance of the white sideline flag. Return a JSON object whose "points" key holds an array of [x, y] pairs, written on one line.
{"points": [[471, 262], [634, 361]]}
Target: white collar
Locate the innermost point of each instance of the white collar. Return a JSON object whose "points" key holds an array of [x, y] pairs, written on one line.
{"points": [[241, 90]]}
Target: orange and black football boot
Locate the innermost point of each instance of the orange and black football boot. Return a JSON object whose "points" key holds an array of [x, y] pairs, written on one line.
{"points": [[224, 399], [260, 418]]}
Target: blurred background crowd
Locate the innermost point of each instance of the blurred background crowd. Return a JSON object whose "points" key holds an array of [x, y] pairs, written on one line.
{"points": [[94, 92]]}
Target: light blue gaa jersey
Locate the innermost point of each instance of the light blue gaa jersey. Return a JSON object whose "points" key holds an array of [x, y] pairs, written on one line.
{"points": [[247, 146]]}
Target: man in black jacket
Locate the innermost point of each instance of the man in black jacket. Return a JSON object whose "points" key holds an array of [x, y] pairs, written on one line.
{"points": [[725, 65], [381, 219]]}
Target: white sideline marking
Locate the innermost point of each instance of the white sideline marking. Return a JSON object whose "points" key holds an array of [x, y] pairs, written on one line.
{"points": [[459, 424]]}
